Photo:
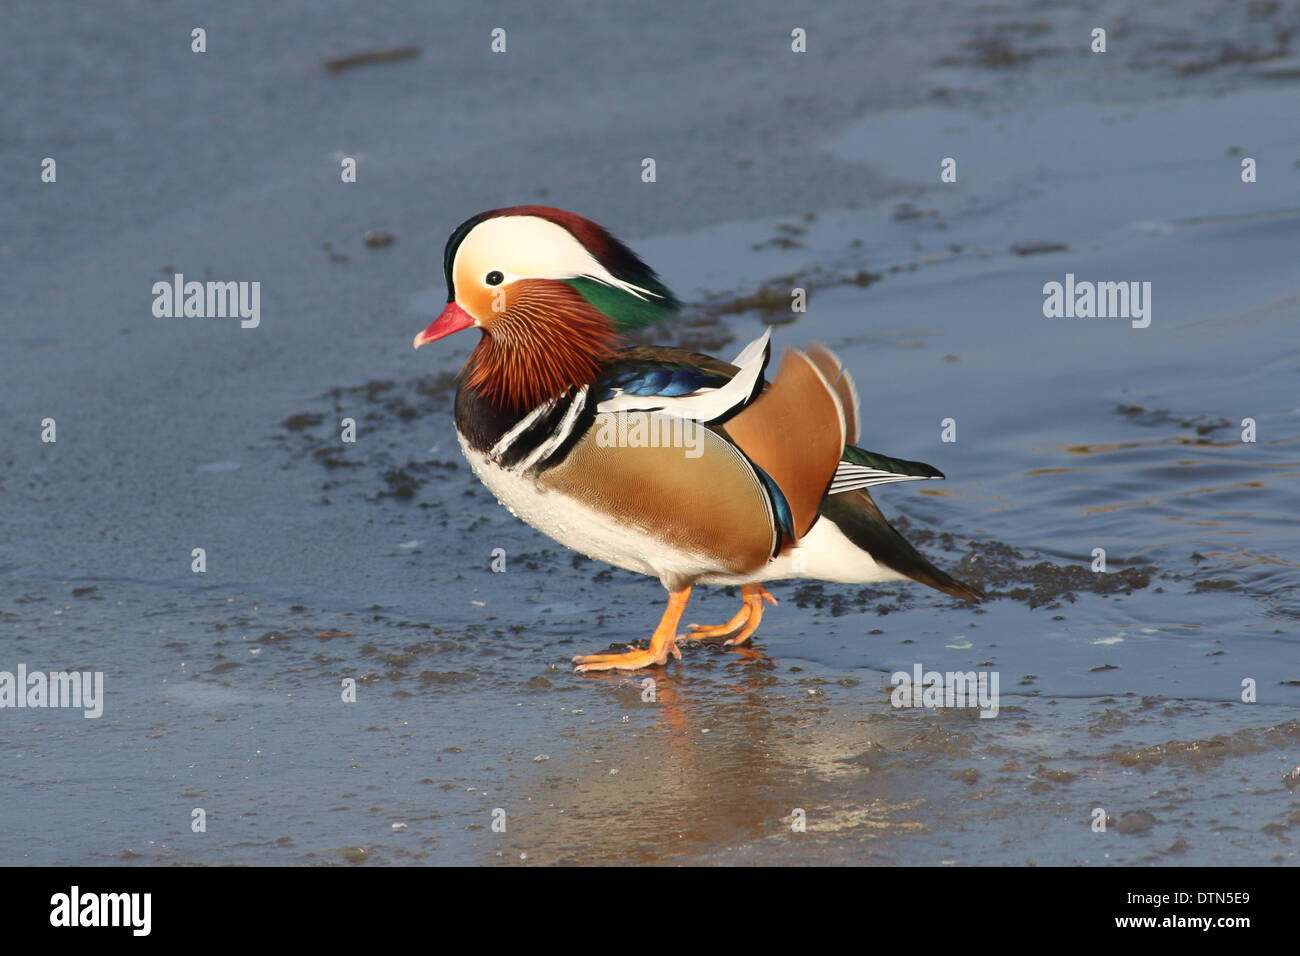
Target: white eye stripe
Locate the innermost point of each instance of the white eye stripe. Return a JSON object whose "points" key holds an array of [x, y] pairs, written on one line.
{"points": [[529, 247], [607, 279]]}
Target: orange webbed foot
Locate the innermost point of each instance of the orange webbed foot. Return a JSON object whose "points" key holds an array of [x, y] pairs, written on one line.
{"points": [[703, 632], [741, 627], [662, 643], [630, 660]]}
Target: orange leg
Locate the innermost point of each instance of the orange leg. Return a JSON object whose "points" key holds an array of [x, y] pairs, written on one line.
{"points": [[741, 627], [662, 643]]}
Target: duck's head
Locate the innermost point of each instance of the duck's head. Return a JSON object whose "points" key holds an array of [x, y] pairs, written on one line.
{"points": [[550, 291]]}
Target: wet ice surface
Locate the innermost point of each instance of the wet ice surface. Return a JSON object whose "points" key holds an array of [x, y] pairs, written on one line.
{"points": [[371, 561]]}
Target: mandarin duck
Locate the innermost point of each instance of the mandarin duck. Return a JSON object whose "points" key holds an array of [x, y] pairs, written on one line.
{"points": [[658, 460]]}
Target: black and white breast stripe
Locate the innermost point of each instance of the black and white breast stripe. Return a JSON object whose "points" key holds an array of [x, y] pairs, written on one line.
{"points": [[543, 438]]}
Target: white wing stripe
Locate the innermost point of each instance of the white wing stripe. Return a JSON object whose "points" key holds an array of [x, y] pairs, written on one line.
{"points": [[705, 404], [839, 487], [753, 350], [850, 477]]}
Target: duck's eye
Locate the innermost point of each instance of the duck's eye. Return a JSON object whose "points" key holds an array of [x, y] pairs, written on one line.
{"points": [[494, 278]]}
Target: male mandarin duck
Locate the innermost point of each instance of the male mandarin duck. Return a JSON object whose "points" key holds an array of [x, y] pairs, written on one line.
{"points": [[753, 481]]}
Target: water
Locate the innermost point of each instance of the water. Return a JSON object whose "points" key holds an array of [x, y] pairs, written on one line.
{"points": [[1120, 692]]}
